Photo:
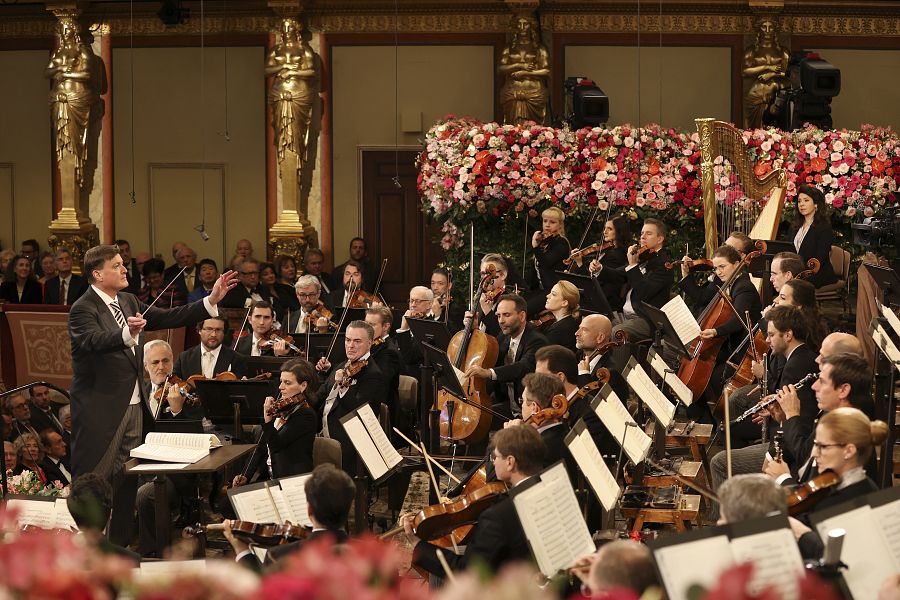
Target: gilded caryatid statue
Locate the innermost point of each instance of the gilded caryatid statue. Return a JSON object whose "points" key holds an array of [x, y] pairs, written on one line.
{"points": [[524, 65], [293, 65], [72, 95], [766, 65]]}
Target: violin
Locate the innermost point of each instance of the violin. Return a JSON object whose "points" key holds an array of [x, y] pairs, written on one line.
{"points": [[804, 497], [225, 376], [698, 265], [363, 299], [350, 370], [643, 253], [273, 336], [559, 407], [439, 520], [264, 534], [319, 311], [578, 255], [184, 388], [283, 405], [545, 238], [602, 378], [544, 320]]}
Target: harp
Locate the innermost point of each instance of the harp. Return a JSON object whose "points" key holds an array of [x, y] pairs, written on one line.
{"points": [[734, 198]]}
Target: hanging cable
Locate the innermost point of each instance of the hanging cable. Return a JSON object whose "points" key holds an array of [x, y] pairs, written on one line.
{"points": [[638, 124], [659, 78], [131, 194], [227, 134], [396, 178], [201, 228]]}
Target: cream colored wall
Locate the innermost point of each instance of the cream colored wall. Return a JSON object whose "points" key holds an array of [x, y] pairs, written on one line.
{"points": [[433, 80], [168, 158], [869, 90], [26, 186], [691, 81]]}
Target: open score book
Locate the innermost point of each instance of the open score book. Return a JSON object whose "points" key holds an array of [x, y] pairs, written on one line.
{"points": [[176, 447]]}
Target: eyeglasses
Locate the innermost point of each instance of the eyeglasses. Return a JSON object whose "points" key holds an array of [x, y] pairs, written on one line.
{"points": [[310, 295], [212, 330], [417, 300], [820, 446]]}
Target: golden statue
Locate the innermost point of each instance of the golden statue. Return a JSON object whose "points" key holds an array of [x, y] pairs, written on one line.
{"points": [[525, 65], [295, 87], [72, 95], [766, 63]]}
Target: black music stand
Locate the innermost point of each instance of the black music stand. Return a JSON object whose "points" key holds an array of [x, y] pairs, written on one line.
{"points": [[319, 343], [430, 331], [888, 282], [592, 297], [234, 402], [885, 383], [257, 365], [434, 333], [353, 314]]}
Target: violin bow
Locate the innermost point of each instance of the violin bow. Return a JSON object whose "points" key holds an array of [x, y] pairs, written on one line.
{"points": [[165, 288], [698, 488], [380, 277], [427, 456], [352, 289], [525, 245], [587, 229], [243, 324]]}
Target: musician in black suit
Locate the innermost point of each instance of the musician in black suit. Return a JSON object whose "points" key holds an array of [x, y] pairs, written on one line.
{"points": [[539, 390], [343, 392], [248, 290], [108, 404], [518, 342], [211, 356], [312, 308], [329, 496], [42, 414], [488, 300], [443, 307], [609, 266], [591, 339], [498, 538], [19, 283], [262, 322], [65, 287], [56, 461], [562, 304], [133, 270], [812, 235], [386, 353]]}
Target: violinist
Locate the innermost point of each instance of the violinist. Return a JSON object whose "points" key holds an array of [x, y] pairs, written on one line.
{"points": [[420, 297], [518, 341], [609, 265], [648, 281], [550, 247], [443, 307], [288, 434], [386, 354], [352, 278], [329, 496], [312, 309], [561, 310], [498, 538], [595, 332], [211, 356], [491, 296], [812, 234], [349, 385], [262, 326], [785, 267]]}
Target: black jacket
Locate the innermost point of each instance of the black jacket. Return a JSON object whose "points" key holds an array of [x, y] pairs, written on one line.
{"points": [[817, 244], [41, 421], [387, 356], [237, 297], [547, 260], [799, 431], [31, 293], [562, 332], [53, 472], [291, 446], [652, 287], [612, 277], [78, 285], [523, 364], [190, 362], [745, 299]]}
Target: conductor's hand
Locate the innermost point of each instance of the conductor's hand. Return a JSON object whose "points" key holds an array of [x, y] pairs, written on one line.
{"points": [[223, 285], [136, 325], [323, 365]]}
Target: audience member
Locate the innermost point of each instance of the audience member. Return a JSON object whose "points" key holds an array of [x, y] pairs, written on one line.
{"points": [[56, 462]]}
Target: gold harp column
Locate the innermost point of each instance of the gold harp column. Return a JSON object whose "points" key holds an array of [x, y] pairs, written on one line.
{"points": [[707, 156], [293, 96], [73, 96]]}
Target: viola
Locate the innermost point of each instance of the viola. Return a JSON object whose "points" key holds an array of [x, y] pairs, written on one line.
{"points": [[644, 253], [698, 265], [183, 388], [804, 497], [545, 238], [578, 255], [350, 371], [544, 320], [284, 404], [558, 408], [264, 534]]}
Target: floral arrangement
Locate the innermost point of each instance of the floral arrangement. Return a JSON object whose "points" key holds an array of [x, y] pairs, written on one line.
{"points": [[28, 484], [477, 171]]}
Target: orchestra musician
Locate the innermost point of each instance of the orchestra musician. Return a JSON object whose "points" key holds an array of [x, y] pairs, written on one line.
{"points": [[420, 297], [518, 342], [352, 278], [491, 298], [741, 242], [550, 247], [785, 267], [312, 309], [386, 354], [609, 265], [349, 385], [211, 357], [562, 305], [262, 323], [498, 538], [443, 307], [811, 233], [593, 333]]}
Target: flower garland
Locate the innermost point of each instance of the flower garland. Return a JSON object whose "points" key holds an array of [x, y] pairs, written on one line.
{"points": [[27, 483], [471, 170]]}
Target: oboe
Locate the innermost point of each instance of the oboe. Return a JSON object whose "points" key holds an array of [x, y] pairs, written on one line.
{"points": [[769, 401]]}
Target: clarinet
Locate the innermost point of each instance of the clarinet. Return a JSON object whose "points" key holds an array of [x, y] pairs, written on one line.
{"points": [[768, 402]]}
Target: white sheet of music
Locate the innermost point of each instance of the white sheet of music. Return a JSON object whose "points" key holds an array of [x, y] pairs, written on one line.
{"points": [[294, 491], [613, 414], [64, 518], [655, 400], [682, 319], [891, 317], [254, 505], [552, 521], [682, 391], [693, 563], [597, 474], [390, 455], [283, 509], [868, 558], [884, 342], [776, 559], [40, 513], [365, 447], [888, 518]]}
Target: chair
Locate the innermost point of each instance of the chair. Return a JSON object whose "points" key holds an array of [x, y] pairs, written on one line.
{"points": [[409, 393], [840, 289], [326, 450], [384, 418]]}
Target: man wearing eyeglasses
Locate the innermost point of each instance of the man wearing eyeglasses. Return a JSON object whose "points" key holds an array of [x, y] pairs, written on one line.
{"points": [[248, 289], [308, 290], [210, 357]]}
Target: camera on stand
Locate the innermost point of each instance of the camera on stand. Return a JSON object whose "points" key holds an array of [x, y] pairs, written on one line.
{"points": [[814, 82], [585, 104]]}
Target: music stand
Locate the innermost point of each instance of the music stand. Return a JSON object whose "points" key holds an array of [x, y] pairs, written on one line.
{"points": [[234, 402], [353, 314], [592, 297], [430, 331], [319, 343], [888, 282], [265, 364], [665, 332]]}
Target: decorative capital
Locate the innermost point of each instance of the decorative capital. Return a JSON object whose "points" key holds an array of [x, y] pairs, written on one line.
{"points": [[286, 8]]}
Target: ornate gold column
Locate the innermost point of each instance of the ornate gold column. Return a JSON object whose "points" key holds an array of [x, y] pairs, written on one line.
{"points": [[294, 68], [73, 69]]}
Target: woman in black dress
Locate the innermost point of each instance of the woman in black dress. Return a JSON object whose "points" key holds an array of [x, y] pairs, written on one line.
{"points": [[609, 266], [19, 284], [550, 248], [811, 233]]}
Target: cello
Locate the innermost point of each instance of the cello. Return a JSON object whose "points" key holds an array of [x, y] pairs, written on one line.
{"points": [[696, 371], [469, 423]]}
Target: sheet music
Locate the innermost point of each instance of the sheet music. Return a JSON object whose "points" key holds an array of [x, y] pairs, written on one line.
{"points": [[868, 559], [613, 414], [682, 320], [283, 511], [693, 563], [776, 559], [552, 521], [682, 391], [655, 400], [583, 449], [40, 513], [159, 467], [365, 447], [174, 454], [390, 455], [294, 491], [891, 317], [182, 440], [64, 518], [888, 518], [884, 342], [253, 505]]}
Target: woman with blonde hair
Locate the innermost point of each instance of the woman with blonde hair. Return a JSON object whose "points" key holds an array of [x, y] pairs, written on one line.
{"points": [[560, 319], [550, 248]]}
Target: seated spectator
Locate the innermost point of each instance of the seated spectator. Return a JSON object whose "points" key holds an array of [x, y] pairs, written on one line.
{"points": [[55, 463], [283, 296], [9, 455], [89, 503], [286, 269], [48, 266], [208, 273], [6, 257], [65, 417], [19, 283], [153, 272], [244, 248], [20, 409], [41, 408], [29, 456]]}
